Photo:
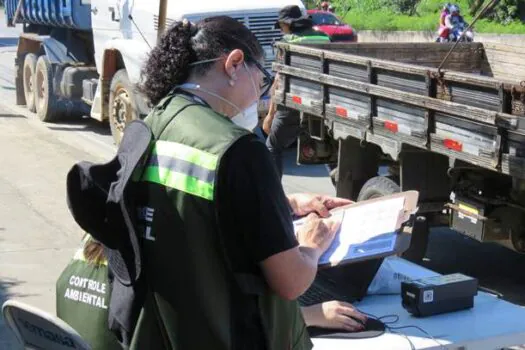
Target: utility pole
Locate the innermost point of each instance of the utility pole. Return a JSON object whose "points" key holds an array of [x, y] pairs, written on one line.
{"points": [[163, 9]]}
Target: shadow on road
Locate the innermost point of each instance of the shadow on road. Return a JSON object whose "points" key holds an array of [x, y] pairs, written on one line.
{"points": [[304, 170], [85, 124], [7, 42], [7, 338], [497, 268], [11, 116]]}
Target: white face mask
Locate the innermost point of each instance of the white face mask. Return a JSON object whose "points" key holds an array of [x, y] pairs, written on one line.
{"points": [[246, 119]]}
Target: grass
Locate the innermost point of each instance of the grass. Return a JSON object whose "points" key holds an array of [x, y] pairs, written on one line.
{"points": [[426, 19]]}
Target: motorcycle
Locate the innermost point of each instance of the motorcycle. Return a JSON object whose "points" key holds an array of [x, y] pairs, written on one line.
{"points": [[457, 34], [452, 35]]}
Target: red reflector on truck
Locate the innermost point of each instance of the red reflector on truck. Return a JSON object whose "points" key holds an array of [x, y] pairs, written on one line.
{"points": [[453, 145], [342, 112], [297, 99], [392, 126]]}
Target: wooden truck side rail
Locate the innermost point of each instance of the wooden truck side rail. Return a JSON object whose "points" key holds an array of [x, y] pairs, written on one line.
{"points": [[464, 116]]}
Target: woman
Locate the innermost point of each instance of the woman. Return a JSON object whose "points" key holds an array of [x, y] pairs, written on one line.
{"points": [[82, 293], [282, 125], [443, 30], [221, 258]]}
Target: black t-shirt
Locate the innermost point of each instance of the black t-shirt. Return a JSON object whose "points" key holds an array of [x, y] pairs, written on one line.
{"points": [[254, 213]]}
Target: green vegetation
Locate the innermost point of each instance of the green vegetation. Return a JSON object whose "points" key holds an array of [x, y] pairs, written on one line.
{"points": [[423, 15]]}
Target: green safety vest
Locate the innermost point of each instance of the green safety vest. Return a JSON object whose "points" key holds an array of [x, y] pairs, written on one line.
{"points": [[194, 299], [306, 37], [82, 299]]}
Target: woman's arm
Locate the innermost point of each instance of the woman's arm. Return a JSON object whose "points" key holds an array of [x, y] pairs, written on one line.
{"points": [[268, 120], [290, 273], [256, 221]]}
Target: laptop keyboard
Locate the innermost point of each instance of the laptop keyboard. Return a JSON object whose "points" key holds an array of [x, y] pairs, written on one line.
{"points": [[318, 294]]}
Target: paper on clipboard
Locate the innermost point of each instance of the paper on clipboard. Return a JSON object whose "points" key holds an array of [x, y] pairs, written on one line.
{"points": [[369, 228]]}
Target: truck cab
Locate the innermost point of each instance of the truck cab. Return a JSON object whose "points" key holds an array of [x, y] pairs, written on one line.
{"points": [[110, 41]]}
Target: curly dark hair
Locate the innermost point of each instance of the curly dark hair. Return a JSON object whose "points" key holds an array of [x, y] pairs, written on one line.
{"points": [[183, 43]]}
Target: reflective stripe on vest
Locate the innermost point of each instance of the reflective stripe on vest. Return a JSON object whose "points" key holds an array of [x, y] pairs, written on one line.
{"points": [[183, 168]]}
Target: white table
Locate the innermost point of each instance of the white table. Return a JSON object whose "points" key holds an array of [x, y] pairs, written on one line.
{"points": [[491, 324]]}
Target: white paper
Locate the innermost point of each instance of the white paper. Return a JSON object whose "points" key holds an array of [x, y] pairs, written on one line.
{"points": [[366, 230], [392, 272]]}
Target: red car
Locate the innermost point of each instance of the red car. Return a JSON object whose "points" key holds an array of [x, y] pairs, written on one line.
{"points": [[331, 25]]}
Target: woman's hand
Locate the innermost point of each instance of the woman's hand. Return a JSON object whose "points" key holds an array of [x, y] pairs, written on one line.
{"points": [[305, 203], [317, 233], [334, 315]]}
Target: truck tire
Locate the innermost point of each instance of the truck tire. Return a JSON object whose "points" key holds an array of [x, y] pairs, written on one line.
{"points": [[28, 73], [122, 104], [46, 101], [378, 186]]}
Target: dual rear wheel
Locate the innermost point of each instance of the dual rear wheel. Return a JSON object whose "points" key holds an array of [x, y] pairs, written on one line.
{"points": [[39, 88], [40, 96]]}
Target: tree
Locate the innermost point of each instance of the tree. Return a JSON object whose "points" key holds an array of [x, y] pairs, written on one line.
{"points": [[504, 12], [406, 7]]}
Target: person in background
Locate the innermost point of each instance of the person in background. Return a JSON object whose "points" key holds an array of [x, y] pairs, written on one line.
{"points": [[443, 31], [324, 6], [331, 8], [454, 22], [282, 125], [82, 295]]}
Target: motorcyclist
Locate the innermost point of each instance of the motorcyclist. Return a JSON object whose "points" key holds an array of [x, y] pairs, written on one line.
{"points": [[455, 23], [443, 31]]}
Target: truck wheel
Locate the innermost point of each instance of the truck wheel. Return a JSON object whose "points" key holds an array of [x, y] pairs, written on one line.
{"points": [[378, 186], [122, 104], [46, 101], [510, 226], [29, 80]]}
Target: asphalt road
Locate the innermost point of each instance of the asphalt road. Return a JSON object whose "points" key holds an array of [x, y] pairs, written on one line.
{"points": [[496, 267]]}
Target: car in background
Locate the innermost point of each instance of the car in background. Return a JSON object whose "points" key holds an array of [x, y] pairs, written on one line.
{"points": [[332, 26]]}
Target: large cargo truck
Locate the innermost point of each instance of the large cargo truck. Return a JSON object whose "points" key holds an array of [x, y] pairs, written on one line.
{"points": [[83, 57]]}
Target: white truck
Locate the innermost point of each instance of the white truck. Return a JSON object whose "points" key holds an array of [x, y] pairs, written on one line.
{"points": [[83, 57]]}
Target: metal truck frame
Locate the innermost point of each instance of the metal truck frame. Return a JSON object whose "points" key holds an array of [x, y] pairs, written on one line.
{"points": [[457, 136]]}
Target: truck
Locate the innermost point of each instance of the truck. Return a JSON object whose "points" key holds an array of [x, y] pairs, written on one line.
{"points": [[447, 121], [80, 58]]}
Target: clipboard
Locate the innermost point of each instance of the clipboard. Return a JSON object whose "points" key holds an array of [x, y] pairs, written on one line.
{"points": [[399, 231]]}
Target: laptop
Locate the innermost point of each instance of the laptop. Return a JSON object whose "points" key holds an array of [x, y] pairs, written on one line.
{"points": [[348, 282]]}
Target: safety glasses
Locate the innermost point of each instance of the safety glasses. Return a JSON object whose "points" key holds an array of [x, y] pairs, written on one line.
{"points": [[267, 80]]}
